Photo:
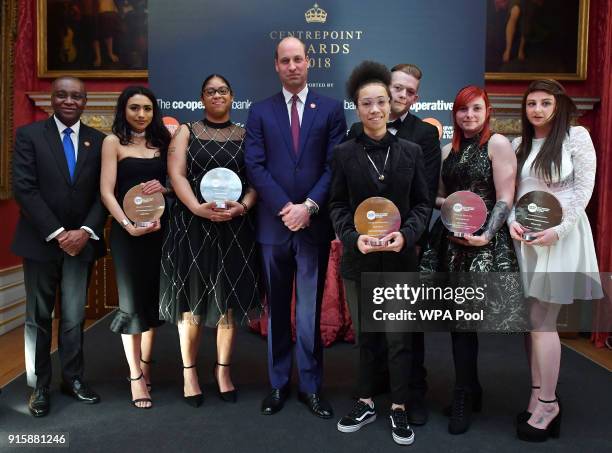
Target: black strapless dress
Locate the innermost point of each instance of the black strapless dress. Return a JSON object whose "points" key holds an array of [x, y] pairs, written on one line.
{"points": [[136, 259]]}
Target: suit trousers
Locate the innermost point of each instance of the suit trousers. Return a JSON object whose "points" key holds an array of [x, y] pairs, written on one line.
{"points": [[378, 350], [304, 264], [42, 280]]}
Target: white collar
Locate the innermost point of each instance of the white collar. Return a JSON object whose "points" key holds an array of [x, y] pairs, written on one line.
{"points": [[61, 126], [301, 95]]}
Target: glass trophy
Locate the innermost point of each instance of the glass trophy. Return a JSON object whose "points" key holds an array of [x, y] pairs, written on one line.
{"points": [[220, 185], [537, 211], [143, 209], [463, 213], [377, 217]]}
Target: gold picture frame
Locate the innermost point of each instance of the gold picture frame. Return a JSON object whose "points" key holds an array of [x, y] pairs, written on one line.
{"points": [[69, 39], [7, 41], [542, 22]]}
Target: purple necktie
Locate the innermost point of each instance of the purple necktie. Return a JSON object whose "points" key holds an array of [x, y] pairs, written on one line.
{"points": [[295, 124]]}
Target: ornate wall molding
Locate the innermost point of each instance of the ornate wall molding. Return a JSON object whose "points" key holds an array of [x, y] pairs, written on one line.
{"points": [[8, 20]]}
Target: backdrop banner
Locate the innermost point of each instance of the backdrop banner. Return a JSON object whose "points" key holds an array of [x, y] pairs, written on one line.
{"points": [[190, 39]]}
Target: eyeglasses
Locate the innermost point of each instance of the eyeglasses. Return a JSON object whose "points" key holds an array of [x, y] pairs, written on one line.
{"points": [[210, 92], [368, 103], [63, 95]]}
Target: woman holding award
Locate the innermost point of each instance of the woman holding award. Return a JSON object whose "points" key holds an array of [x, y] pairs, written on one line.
{"points": [[209, 266], [482, 163], [559, 159], [134, 160], [377, 164]]}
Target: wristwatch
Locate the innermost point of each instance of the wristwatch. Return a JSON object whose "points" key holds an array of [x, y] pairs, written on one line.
{"points": [[311, 206]]}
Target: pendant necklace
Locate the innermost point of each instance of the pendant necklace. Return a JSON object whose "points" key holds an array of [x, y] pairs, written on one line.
{"points": [[381, 176]]}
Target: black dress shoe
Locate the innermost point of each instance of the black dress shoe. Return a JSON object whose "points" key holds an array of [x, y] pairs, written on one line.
{"points": [[39, 402], [317, 405], [274, 402], [417, 412], [80, 391]]}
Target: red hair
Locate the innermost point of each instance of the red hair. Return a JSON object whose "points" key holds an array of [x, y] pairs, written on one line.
{"points": [[464, 97]]}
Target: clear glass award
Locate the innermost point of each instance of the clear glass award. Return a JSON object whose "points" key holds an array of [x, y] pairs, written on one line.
{"points": [[220, 185], [536, 211], [377, 217], [143, 209], [463, 212]]}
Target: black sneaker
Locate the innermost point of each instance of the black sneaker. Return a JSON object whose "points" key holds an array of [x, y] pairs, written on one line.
{"points": [[401, 432], [361, 414]]}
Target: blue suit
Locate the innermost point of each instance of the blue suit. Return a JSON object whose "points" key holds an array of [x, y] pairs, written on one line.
{"points": [[280, 175]]}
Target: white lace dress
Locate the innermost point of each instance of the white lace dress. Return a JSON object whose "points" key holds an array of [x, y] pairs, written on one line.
{"points": [[568, 269]]}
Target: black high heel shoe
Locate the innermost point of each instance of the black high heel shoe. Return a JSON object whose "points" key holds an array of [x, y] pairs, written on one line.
{"points": [[140, 400], [529, 433], [150, 362], [230, 396], [526, 415], [193, 400]]}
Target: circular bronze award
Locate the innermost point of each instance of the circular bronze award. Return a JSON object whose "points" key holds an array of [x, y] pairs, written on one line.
{"points": [[220, 185], [463, 212], [377, 217], [143, 209], [537, 211]]}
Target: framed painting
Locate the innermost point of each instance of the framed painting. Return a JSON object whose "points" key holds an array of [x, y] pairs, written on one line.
{"points": [[7, 45], [531, 39], [92, 38]]}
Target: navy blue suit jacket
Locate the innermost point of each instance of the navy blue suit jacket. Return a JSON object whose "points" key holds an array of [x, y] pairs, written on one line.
{"points": [[279, 175]]}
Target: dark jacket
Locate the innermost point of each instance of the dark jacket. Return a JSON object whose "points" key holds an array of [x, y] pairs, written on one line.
{"points": [[426, 136], [48, 199], [406, 187]]}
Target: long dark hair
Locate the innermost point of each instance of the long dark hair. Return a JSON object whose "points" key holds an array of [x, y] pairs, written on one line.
{"points": [[549, 157], [156, 134]]}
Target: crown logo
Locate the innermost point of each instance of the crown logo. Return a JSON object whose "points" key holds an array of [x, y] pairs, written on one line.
{"points": [[316, 14]]}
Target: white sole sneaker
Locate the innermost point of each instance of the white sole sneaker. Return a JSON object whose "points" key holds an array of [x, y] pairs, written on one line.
{"points": [[403, 440], [357, 427]]}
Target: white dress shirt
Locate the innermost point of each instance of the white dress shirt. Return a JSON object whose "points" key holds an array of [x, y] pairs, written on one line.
{"points": [[300, 103]]}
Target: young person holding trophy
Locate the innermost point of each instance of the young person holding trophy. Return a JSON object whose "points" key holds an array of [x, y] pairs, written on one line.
{"points": [[377, 171], [209, 266], [556, 166], [132, 185], [476, 163]]}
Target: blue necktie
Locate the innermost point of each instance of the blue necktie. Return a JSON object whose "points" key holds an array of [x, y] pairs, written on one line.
{"points": [[69, 152]]}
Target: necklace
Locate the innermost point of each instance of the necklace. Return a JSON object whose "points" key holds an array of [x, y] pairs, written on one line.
{"points": [[381, 176], [138, 134]]}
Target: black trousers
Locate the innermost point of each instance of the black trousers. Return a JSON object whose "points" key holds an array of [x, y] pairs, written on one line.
{"points": [[42, 279], [465, 357], [379, 352]]}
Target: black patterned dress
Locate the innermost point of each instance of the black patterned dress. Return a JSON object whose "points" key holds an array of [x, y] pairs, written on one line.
{"points": [[209, 269], [471, 169]]}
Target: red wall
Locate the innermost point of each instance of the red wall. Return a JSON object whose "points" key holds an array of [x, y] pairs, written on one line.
{"points": [[597, 85], [25, 80]]}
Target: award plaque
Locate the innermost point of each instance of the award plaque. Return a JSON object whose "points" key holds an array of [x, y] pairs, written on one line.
{"points": [[537, 211], [463, 212], [220, 185], [143, 209], [377, 217]]}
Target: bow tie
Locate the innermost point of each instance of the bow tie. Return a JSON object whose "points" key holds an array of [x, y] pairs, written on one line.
{"points": [[394, 124]]}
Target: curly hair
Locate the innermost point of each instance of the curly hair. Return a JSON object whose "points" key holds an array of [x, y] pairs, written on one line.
{"points": [[365, 73]]}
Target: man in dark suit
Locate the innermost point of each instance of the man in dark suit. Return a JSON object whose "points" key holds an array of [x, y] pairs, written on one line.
{"points": [[405, 81], [56, 176], [289, 143]]}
